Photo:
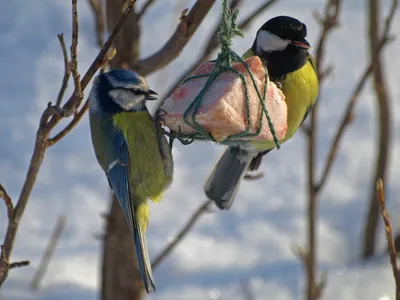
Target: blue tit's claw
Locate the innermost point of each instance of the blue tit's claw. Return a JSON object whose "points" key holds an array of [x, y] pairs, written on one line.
{"points": [[159, 116], [181, 138]]}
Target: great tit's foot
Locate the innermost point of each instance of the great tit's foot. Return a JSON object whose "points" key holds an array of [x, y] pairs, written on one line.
{"points": [[278, 84]]}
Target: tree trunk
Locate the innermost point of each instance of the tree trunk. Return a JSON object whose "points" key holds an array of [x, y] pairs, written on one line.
{"points": [[120, 273]]}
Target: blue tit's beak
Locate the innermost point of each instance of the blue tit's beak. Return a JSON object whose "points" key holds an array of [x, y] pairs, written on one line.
{"points": [[304, 44], [149, 95]]}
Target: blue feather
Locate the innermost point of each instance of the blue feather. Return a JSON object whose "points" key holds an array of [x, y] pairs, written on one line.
{"points": [[118, 178]]}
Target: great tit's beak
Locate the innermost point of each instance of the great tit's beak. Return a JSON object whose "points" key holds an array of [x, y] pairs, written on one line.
{"points": [[301, 44], [149, 97]]}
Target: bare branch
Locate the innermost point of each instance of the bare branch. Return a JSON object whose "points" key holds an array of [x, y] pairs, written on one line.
{"points": [[48, 253], [389, 236], [98, 14], [78, 116], [145, 7], [67, 70], [45, 127], [314, 286], [74, 55], [346, 120], [260, 10], [328, 23], [184, 231], [384, 120], [184, 32]]}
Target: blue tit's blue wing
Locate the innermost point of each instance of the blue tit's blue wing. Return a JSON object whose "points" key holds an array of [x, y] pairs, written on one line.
{"points": [[113, 155], [118, 173]]}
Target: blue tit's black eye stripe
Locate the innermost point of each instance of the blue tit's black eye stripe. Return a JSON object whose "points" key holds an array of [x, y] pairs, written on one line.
{"points": [[135, 91]]}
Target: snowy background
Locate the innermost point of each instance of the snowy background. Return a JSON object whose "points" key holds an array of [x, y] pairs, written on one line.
{"points": [[253, 240]]}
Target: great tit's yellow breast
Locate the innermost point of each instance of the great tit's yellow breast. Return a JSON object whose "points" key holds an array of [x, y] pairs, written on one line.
{"points": [[146, 170], [301, 91]]}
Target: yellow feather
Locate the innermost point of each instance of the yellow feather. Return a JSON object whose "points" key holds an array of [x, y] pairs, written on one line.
{"points": [[146, 173], [301, 91]]}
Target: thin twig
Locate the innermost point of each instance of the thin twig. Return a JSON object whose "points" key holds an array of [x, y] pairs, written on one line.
{"points": [[182, 233], [78, 116], [50, 118], [67, 70], [186, 28], [384, 126], [329, 22], [257, 12], [145, 7], [99, 61], [48, 253], [98, 14], [389, 236], [8, 202], [384, 40], [19, 264], [314, 286], [74, 55]]}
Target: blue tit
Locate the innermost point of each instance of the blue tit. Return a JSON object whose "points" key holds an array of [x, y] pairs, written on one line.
{"points": [[132, 150], [282, 47]]}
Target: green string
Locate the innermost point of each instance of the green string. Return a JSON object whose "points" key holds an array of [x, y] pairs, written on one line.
{"points": [[223, 63]]}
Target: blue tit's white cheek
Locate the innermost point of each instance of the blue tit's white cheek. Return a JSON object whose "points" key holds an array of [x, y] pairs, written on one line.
{"points": [[268, 42], [124, 98]]}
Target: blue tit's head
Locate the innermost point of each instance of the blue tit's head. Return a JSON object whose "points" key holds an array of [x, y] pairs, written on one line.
{"points": [[119, 90]]}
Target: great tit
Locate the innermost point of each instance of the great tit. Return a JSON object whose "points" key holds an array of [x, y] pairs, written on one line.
{"points": [[282, 46], [132, 150]]}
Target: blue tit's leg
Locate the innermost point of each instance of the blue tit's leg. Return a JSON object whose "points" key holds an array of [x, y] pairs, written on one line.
{"points": [[165, 150]]}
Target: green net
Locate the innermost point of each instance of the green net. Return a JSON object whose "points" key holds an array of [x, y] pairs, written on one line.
{"points": [[223, 63]]}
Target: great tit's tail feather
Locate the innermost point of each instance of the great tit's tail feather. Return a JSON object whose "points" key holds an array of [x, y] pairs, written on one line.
{"points": [[223, 182]]}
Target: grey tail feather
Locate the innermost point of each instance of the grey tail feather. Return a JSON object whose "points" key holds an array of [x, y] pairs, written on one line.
{"points": [[223, 182], [143, 257]]}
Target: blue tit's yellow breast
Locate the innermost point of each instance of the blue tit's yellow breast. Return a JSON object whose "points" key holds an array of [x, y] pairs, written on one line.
{"points": [[147, 177]]}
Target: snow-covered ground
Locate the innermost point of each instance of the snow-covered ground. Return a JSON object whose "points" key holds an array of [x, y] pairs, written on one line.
{"points": [[254, 240]]}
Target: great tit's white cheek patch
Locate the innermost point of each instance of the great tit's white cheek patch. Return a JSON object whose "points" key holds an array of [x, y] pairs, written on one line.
{"points": [[268, 42]]}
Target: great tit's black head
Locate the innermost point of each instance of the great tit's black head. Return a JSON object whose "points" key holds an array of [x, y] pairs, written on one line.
{"points": [[280, 33], [119, 90]]}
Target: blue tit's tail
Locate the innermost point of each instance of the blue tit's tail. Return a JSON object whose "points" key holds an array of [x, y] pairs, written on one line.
{"points": [[139, 228], [223, 182]]}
